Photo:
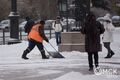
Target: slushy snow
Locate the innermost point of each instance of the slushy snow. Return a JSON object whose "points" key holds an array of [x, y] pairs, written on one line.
{"points": [[73, 67]]}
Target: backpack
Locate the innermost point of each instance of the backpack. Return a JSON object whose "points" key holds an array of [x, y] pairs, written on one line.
{"points": [[28, 26], [55, 24], [60, 24]]}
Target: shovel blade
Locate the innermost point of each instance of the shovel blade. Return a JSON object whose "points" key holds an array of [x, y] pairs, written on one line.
{"points": [[56, 55]]}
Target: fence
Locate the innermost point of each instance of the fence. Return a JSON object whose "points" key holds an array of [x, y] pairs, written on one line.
{"points": [[5, 35]]}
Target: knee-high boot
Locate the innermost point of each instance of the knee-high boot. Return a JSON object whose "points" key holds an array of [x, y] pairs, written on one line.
{"points": [[43, 55], [25, 54]]}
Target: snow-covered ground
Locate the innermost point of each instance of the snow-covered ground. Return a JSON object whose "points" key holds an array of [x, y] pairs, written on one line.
{"points": [[73, 67]]}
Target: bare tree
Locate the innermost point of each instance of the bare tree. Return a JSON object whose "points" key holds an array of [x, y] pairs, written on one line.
{"points": [[43, 9], [4, 9]]}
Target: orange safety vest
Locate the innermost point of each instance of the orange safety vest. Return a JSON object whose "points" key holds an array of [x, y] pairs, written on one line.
{"points": [[34, 33]]}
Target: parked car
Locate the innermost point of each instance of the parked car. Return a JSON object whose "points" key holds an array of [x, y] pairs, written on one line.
{"points": [[116, 20], [0, 25], [71, 23], [22, 24], [48, 23], [5, 24]]}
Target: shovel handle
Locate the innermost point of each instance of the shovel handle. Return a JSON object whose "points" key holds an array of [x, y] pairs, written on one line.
{"points": [[53, 47]]}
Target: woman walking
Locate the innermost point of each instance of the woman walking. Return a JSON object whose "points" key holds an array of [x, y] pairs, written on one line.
{"points": [[108, 34]]}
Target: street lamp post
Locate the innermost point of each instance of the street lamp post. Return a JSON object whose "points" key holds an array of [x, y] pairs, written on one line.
{"points": [[14, 20], [67, 15]]}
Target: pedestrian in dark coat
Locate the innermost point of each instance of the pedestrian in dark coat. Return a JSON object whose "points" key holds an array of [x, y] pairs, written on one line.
{"points": [[108, 34], [92, 31]]}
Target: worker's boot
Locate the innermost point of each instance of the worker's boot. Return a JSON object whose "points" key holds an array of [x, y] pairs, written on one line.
{"points": [[25, 54], [43, 55]]}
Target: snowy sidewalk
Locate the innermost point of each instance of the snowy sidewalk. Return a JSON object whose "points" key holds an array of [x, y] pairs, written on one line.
{"points": [[73, 67]]}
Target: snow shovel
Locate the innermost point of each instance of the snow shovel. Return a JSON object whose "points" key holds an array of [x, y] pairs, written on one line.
{"points": [[55, 54]]}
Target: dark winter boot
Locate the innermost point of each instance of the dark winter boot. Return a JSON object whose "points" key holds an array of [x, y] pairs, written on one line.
{"points": [[108, 55], [25, 54], [91, 69], [112, 53], [43, 55], [96, 65]]}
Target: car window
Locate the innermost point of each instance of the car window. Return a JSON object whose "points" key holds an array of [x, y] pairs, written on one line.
{"points": [[5, 22]]}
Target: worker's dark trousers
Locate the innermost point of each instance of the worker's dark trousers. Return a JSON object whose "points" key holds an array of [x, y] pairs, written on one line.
{"points": [[32, 44]]}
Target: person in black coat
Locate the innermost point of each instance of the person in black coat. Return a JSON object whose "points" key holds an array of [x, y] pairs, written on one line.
{"points": [[92, 31]]}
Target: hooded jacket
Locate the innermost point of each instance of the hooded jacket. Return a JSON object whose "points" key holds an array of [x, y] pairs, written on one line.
{"points": [[109, 28]]}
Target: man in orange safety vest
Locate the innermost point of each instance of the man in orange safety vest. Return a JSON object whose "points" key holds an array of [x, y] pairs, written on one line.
{"points": [[35, 38]]}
